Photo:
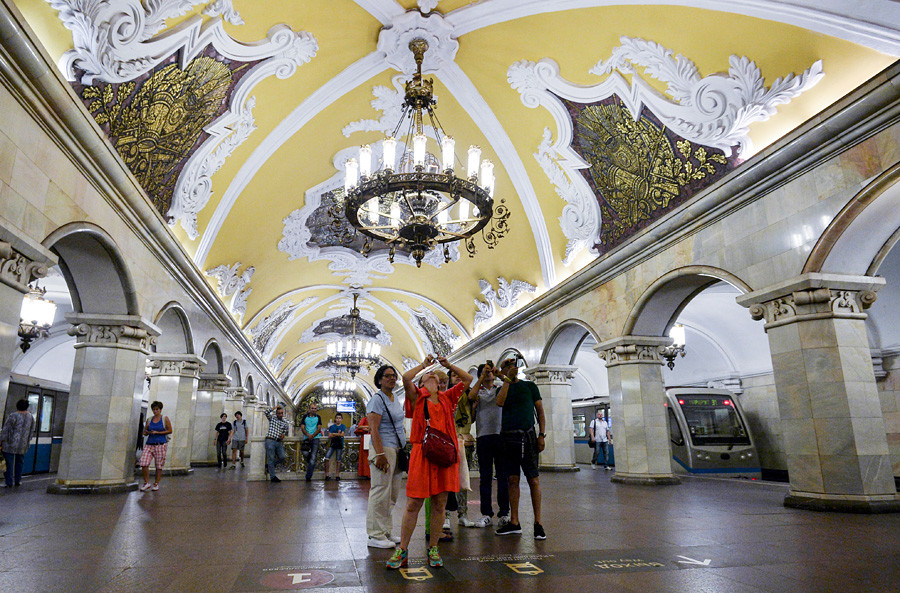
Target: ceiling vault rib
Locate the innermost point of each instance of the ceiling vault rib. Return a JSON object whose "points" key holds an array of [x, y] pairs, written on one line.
{"points": [[866, 27], [472, 102], [385, 11]]}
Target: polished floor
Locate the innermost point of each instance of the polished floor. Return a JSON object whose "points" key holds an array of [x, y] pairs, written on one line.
{"points": [[212, 531]]}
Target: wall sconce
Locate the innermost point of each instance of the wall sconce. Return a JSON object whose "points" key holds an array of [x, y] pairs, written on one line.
{"points": [[36, 317], [676, 348]]}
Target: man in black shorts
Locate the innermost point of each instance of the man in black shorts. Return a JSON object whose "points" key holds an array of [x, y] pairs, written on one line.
{"points": [[521, 402]]}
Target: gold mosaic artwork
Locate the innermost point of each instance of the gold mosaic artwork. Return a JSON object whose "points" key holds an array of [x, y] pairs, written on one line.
{"points": [[635, 168], [155, 128]]}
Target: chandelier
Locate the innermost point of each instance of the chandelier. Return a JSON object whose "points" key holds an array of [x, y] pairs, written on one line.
{"points": [[36, 317], [353, 353], [418, 203], [337, 390]]}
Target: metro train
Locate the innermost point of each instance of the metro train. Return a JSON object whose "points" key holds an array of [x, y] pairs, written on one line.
{"points": [[709, 435]]}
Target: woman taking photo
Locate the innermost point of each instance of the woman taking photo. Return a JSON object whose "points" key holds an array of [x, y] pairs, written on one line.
{"points": [[427, 479]]}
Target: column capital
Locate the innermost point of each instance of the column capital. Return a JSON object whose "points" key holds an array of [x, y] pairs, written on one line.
{"points": [[21, 259], [213, 382], [550, 374], [130, 332], [633, 350], [176, 365], [813, 296], [235, 393]]}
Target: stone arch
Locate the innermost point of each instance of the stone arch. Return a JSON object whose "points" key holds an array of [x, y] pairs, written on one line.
{"points": [[249, 384], [862, 234], [509, 353], [212, 354], [565, 341], [656, 310], [92, 264], [176, 336], [234, 373]]}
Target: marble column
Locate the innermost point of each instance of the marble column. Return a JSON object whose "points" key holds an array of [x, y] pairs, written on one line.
{"points": [[637, 400], [103, 413], [258, 429], [834, 431], [173, 381], [210, 398], [234, 402], [21, 262], [554, 382]]}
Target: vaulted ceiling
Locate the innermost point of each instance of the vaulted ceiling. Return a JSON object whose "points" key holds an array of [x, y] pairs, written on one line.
{"points": [[237, 116]]}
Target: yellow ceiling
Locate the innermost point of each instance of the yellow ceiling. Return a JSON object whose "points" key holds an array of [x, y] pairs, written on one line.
{"points": [[346, 33]]}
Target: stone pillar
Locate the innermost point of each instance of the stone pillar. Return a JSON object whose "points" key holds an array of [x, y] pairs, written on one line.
{"points": [[554, 382], [258, 429], [834, 431], [173, 381], [21, 262], [234, 402], [211, 388], [98, 453], [637, 399]]}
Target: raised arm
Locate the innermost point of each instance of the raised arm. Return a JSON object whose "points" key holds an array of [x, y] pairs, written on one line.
{"points": [[408, 386], [464, 377]]}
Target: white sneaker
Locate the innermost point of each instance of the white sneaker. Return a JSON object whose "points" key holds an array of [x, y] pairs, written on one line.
{"points": [[394, 538], [485, 521], [145, 487], [501, 521], [446, 520], [593, 466], [380, 543], [464, 521]]}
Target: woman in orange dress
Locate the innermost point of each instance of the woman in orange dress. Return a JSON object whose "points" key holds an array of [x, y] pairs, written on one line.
{"points": [[362, 429], [425, 479]]}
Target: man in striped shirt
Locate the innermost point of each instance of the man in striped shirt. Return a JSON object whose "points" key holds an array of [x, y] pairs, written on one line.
{"points": [[278, 429]]}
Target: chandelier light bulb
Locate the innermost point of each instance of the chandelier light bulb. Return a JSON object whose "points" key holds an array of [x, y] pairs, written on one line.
{"points": [[368, 348], [37, 311], [365, 161], [487, 175], [447, 146], [389, 152], [351, 174], [372, 210], [463, 209], [443, 217], [395, 214], [376, 350], [677, 335], [419, 144], [330, 349], [474, 158]]}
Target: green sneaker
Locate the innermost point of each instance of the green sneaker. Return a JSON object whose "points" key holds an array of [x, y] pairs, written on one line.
{"points": [[398, 560], [434, 557]]}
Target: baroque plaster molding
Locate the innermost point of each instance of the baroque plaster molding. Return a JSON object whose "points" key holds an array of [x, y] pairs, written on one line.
{"points": [[409, 363], [277, 362], [18, 271], [715, 111], [505, 297], [175, 367], [127, 332], [117, 42], [393, 41], [232, 283], [436, 337]]}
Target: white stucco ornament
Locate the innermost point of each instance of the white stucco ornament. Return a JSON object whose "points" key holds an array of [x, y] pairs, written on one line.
{"points": [[394, 42], [715, 110], [505, 297], [232, 286]]}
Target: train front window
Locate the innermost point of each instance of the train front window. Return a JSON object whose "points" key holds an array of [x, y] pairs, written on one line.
{"points": [[713, 421]]}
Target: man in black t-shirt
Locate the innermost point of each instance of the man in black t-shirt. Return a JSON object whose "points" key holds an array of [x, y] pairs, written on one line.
{"points": [[223, 437]]}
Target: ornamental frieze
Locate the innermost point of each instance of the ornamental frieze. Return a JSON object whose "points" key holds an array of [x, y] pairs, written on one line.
{"points": [[189, 368], [16, 270], [213, 382], [633, 350], [815, 303], [551, 375]]}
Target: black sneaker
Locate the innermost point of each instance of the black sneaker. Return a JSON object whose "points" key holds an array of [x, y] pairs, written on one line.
{"points": [[509, 528], [275, 479], [539, 531]]}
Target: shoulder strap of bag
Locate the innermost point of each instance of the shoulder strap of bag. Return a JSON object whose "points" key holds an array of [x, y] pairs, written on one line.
{"points": [[388, 412]]}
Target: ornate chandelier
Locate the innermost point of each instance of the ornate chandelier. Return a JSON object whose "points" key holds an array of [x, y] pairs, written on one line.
{"points": [[352, 353], [36, 317], [418, 203], [337, 390]]}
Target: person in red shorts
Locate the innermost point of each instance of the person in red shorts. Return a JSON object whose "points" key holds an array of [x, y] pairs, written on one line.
{"points": [[425, 479]]}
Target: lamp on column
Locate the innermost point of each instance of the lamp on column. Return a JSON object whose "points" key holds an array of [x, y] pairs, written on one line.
{"points": [[677, 346], [36, 317]]}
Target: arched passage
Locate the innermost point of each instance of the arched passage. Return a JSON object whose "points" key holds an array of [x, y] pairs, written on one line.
{"points": [[212, 354], [175, 331]]}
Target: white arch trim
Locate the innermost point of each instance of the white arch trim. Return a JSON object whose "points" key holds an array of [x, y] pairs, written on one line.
{"points": [[865, 23]]}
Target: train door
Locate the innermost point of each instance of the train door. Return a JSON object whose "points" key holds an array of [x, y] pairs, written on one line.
{"points": [[37, 459]]}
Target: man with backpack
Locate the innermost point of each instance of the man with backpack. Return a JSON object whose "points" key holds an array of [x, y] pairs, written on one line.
{"points": [[238, 439]]}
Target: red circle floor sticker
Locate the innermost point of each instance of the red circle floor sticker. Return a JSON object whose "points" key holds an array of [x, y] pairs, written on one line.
{"points": [[291, 579]]}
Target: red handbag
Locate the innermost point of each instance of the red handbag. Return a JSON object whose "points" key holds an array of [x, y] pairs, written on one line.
{"points": [[438, 447]]}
